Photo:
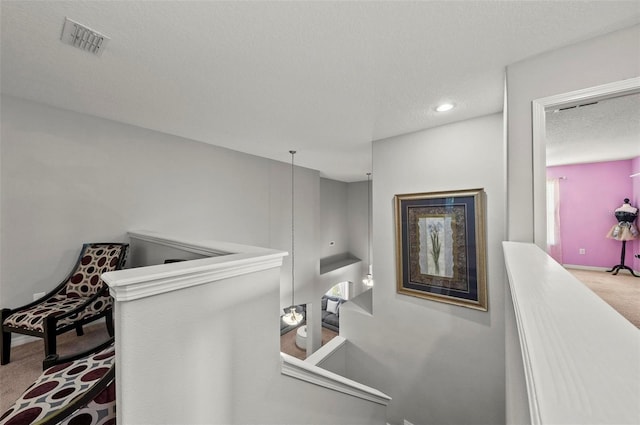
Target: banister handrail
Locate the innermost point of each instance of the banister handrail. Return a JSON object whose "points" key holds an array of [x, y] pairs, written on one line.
{"points": [[581, 357], [327, 350], [302, 370], [230, 260], [222, 310], [208, 248]]}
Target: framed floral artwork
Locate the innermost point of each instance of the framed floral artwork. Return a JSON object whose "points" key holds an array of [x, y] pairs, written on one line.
{"points": [[440, 245]]}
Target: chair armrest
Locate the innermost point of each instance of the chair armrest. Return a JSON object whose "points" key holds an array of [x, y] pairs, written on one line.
{"points": [[81, 400], [49, 294], [121, 262], [78, 309]]}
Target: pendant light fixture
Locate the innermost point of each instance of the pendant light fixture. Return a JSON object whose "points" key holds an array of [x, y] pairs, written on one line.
{"points": [[368, 280], [292, 317]]}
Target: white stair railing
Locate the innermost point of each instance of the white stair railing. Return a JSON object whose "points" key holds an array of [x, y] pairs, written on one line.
{"points": [[580, 359], [197, 342]]}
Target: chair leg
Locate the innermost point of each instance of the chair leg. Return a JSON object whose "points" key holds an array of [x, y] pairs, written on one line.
{"points": [[109, 320], [5, 342], [50, 335]]}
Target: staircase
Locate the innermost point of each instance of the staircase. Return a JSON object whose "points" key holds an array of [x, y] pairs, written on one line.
{"points": [[198, 342]]}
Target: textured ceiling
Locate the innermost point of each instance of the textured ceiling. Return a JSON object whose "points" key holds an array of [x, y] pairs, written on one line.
{"points": [[324, 78], [603, 131]]}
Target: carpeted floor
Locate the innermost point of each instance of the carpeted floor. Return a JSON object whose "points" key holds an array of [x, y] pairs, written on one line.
{"points": [[622, 291], [288, 342], [26, 361]]}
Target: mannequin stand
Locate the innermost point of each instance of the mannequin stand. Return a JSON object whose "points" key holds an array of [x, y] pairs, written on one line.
{"points": [[621, 266]]}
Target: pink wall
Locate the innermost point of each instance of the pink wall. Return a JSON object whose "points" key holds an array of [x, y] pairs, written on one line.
{"points": [[588, 198], [635, 201]]}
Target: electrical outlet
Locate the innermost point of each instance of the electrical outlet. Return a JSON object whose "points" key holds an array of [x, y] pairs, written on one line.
{"points": [[582, 251]]}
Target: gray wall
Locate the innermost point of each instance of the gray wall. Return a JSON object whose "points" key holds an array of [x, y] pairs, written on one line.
{"points": [[68, 178], [333, 218], [343, 219], [605, 59], [441, 363], [231, 377], [358, 222]]}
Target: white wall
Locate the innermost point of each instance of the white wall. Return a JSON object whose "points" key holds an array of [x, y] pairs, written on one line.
{"points": [[441, 363], [605, 59], [69, 178]]}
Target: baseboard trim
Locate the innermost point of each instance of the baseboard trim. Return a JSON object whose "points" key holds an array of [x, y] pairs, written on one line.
{"points": [[580, 267], [590, 268], [20, 339], [17, 339]]}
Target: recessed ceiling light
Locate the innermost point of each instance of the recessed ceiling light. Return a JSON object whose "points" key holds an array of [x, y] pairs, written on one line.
{"points": [[444, 107]]}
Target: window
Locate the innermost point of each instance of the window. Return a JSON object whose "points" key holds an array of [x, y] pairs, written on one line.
{"points": [[340, 290], [552, 187]]}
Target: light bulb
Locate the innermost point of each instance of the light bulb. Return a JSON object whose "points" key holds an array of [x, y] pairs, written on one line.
{"points": [[293, 317], [445, 107]]}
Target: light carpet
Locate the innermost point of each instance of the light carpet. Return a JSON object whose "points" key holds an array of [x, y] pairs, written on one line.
{"points": [[622, 291], [26, 361]]}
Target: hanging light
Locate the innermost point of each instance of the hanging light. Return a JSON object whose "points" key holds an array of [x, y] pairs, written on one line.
{"points": [[292, 317], [368, 280]]}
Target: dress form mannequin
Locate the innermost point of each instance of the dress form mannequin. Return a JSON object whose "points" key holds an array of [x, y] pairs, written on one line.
{"points": [[624, 231], [626, 207]]}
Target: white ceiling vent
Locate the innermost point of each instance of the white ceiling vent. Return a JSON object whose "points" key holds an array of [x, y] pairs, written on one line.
{"points": [[83, 38]]}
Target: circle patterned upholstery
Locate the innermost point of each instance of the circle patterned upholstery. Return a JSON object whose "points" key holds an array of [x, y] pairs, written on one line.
{"points": [[33, 318], [83, 283], [97, 259], [59, 385]]}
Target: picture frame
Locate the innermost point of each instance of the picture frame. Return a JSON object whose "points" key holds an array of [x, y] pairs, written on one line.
{"points": [[441, 247]]}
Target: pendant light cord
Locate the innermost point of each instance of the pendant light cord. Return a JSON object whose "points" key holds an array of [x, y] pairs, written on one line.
{"points": [[369, 220], [292, 233]]}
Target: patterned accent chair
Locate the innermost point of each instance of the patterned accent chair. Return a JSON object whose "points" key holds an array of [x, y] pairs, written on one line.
{"points": [[81, 298], [74, 390]]}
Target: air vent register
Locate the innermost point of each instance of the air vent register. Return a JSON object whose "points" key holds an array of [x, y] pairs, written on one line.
{"points": [[82, 37]]}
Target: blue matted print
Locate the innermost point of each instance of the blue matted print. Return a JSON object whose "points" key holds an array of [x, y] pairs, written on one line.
{"points": [[440, 242]]}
